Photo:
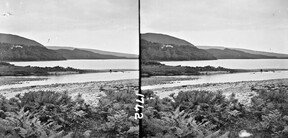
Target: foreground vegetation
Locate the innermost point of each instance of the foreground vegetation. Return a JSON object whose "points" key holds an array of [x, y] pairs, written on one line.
{"points": [[48, 114], [203, 114], [153, 68]]}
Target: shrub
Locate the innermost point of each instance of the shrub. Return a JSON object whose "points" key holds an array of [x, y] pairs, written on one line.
{"points": [[190, 114]]}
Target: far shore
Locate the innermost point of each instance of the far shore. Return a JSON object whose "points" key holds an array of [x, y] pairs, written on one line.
{"points": [[154, 68], [7, 69], [90, 71], [240, 71]]}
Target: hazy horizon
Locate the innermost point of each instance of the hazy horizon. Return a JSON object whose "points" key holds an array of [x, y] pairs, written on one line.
{"points": [[260, 25], [102, 24]]}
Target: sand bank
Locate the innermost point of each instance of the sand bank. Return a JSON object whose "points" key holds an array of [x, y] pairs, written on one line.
{"points": [[90, 90]]}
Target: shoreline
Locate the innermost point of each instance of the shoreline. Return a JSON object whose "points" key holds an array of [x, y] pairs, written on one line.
{"points": [[242, 89]]}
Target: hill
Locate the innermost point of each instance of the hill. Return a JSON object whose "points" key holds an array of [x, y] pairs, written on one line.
{"points": [[117, 54], [164, 47], [235, 54], [17, 40], [17, 48], [83, 54], [164, 39], [255, 54], [278, 55]]}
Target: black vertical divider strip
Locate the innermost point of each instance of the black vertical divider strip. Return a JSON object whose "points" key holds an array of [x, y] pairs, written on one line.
{"points": [[139, 37]]}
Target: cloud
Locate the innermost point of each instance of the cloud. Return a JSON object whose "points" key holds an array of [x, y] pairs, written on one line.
{"points": [[197, 15], [252, 24], [64, 15]]}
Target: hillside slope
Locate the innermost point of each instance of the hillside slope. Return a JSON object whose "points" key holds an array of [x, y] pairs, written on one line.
{"points": [[15, 39], [235, 54], [165, 47], [16, 48], [83, 54], [278, 55], [122, 55], [253, 52], [164, 39]]}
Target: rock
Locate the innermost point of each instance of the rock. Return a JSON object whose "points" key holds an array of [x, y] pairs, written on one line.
{"points": [[244, 134]]}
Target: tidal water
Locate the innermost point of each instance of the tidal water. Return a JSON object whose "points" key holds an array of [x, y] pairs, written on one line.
{"points": [[221, 78], [75, 78], [80, 64]]}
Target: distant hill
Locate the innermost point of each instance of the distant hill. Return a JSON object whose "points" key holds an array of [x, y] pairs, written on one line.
{"points": [[278, 55], [235, 54], [84, 54], [245, 52], [17, 48], [121, 55], [164, 47]]}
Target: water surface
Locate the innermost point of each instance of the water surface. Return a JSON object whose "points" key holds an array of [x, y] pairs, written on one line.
{"points": [[74, 78], [221, 78], [236, 63]]}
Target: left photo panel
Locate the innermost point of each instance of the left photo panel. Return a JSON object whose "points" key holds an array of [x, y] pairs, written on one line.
{"points": [[69, 68]]}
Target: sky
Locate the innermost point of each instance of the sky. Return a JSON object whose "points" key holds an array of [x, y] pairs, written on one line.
{"points": [[251, 24], [110, 25]]}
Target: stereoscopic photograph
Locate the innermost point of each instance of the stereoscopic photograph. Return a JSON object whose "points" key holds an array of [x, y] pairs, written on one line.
{"points": [[68, 68], [143, 68], [214, 68]]}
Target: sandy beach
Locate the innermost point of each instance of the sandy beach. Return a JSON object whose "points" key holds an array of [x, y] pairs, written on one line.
{"points": [[90, 90], [242, 89], [156, 80]]}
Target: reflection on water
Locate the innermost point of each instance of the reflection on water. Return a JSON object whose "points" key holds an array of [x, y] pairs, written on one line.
{"points": [[86, 64], [236, 63], [76, 78], [220, 78]]}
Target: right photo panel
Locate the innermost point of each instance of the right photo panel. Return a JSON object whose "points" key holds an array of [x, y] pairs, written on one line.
{"points": [[214, 69]]}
